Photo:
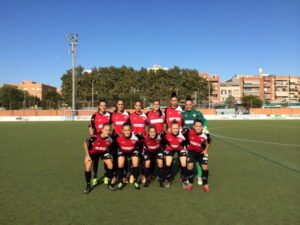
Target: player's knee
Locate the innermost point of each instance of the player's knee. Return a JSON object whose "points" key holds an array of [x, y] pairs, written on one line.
{"points": [[204, 167]]}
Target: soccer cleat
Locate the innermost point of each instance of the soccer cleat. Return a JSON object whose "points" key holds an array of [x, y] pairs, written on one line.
{"points": [[105, 180], [114, 180], [167, 184], [120, 185], [87, 189], [206, 188], [200, 182], [143, 179], [136, 186], [187, 186], [161, 184], [148, 181], [111, 187], [94, 182], [125, 180], [131, 179], [152, 178]]}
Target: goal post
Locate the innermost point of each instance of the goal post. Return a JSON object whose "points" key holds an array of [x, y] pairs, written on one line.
{"points": [[79, 115]]}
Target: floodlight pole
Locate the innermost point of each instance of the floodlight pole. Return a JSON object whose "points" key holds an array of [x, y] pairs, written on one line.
{"points": [[73, 39]]}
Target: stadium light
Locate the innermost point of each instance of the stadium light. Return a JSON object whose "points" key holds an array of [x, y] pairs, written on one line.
{"points": [[73, 39]]}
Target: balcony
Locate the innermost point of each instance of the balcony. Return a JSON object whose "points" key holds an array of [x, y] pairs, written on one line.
{"points": [[250, 85], [251, 90], [281, 84], [281, 93]]}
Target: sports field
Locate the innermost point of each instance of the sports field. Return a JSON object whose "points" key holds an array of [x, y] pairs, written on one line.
{"points": [[254, 176]]}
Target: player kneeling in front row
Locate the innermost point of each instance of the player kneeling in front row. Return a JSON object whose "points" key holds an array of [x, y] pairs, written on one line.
{"points": [[153, 151], [129, 146], [197, 144], [98, 146], [174, 142]]}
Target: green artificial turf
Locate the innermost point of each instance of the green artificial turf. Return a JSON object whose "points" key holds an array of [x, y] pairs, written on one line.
{"points": [[42, 179]]}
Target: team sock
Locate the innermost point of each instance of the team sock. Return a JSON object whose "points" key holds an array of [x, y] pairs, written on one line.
{"points": [[135, 171], [205, 177], [88, 175]]}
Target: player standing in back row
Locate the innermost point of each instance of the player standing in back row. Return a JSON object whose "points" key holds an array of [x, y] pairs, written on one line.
{"points": [[173, 112]]}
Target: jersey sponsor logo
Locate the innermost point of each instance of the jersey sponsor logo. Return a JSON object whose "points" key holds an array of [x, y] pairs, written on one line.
{"points": [[189, 121], [195, 143], [98, 148], [194, 115], [138, 125], [119, 122], [156, 121]]}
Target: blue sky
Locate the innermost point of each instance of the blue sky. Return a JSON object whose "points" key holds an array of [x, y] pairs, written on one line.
{"points": [[216, 36]]}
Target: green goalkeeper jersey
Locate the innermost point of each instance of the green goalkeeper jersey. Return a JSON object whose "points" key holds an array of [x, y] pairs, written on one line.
{"points": [[188, 118]]}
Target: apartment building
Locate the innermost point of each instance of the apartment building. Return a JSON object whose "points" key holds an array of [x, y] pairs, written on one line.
{"points": [[35, 89], [230, 88], [214, 80]]}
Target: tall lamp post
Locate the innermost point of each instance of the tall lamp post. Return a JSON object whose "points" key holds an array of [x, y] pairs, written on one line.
{"points": [[73, 39]]}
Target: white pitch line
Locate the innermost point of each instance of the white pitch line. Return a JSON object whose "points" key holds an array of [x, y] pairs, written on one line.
{"points": [[261, 142]]}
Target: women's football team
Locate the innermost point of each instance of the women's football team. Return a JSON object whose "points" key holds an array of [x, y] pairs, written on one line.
{"points": [[126, 142]]}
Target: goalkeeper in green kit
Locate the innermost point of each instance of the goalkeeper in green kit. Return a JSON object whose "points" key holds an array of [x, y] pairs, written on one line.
{"points": [[188, 117]]}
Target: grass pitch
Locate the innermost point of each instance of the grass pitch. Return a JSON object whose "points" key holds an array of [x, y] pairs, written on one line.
{"points": [[254, 176]]}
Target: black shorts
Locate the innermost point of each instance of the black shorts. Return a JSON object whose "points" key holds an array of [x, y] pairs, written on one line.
{"points": [[194, 156], [148, 155], [103, 156], [129, 154], [172, 153]]}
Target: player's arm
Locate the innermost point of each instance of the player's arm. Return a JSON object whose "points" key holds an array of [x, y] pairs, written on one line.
{"points": [[208, 141], [182, 120], [186, 142], [92, 126], [205, 125], [87, 145]]}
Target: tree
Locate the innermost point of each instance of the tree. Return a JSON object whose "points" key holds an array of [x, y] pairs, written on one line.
{"points": [[51, 100], [129, 84], [230, 101], [13, 98], [251, 101]]}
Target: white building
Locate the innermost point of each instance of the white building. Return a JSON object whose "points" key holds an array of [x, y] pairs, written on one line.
{"points": [[156, 68], [230, 89]]}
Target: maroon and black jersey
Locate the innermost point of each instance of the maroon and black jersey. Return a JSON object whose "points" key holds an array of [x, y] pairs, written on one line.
{"points": [[173, 114], [130, 144], [156, 119], [118, 119], [174, 142], [98, 120], [152, 145], [97, 145], [138, 122], [196, 142]]}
